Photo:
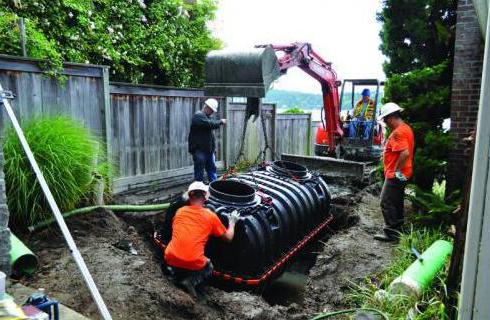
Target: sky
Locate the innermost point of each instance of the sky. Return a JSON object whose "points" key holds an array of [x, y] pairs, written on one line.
{"points": [[344, 32]]}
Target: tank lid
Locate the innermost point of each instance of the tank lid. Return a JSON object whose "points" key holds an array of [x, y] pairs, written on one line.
{"points": [[289, 169], [231, 191]]}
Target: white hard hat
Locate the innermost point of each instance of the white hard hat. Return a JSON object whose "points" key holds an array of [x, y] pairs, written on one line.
{"points": [[212, 103], [388, 108], [198, 185]]}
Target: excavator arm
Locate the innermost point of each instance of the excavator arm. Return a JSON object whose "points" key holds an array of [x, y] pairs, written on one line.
{"points": [[250, 74], [303, 56]]}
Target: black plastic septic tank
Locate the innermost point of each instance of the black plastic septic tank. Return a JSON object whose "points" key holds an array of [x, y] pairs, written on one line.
{"points": [[279, 205]]}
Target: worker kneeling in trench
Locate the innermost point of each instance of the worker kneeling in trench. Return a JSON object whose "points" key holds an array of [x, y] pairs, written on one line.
{"points": [[192, 226]]}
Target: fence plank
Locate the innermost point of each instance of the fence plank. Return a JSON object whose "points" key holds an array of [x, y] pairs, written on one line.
{"points": [[293, 134]]}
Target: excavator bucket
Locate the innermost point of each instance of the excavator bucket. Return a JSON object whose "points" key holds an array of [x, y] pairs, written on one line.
{"points": [[241, 73]]}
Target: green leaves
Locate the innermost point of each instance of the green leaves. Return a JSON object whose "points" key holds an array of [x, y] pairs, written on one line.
{"points": [[160, 41], [434, 206], [427, 24]]}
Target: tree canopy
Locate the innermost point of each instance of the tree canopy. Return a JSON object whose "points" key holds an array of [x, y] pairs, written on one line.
{"points": [[416, 33], [143, 41]]}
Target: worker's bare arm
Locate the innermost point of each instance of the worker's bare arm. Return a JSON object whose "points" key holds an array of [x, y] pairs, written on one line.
{"points": [[230, 232], [402, 159]]}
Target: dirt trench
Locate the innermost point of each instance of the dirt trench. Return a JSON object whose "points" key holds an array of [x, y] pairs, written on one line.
{"points": [[134, 287]]}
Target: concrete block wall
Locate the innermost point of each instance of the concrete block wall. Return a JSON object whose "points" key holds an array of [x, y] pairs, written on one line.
{"points": [[465, 95], [4, 216]]}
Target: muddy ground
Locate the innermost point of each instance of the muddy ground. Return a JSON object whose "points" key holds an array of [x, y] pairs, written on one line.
{"points": [[134, 287]]}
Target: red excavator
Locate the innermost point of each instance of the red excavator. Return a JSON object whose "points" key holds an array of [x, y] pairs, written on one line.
{"points": [[250, 74]]}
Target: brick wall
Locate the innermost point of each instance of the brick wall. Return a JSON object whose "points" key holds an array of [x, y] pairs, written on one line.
{"points": [[4, 231], [468, 61]]}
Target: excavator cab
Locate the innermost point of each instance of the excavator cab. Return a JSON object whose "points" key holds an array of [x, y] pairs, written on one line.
{"points": [[363, 135]]}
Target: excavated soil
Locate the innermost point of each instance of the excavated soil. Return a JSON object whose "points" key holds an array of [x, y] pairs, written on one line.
{"points": [[348, 256], [134, 287]]}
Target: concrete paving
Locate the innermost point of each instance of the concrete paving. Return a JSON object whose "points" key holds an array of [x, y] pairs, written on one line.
{"points": [[20, 293]]}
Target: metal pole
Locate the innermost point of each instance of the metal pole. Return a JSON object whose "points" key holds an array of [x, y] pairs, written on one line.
{"points": [[22, 29], [57, 214]]}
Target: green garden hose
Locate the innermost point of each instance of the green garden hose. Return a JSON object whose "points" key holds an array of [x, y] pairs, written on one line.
{"points": [[113, 207], [327, 315]]}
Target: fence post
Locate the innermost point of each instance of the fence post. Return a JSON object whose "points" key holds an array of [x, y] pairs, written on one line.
{"points": [[273, 131], [224, 141], [106, 115], [308, 135]]}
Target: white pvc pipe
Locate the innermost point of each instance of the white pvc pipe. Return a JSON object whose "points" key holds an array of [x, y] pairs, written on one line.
{"points": [[57, 214]]}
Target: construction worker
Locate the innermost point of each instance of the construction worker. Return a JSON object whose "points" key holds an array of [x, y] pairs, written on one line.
{"points": [[192, 226], [363, 116], [202, 144], [397, 160]]}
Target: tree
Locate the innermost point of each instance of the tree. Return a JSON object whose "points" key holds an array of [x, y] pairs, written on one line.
{"points": [[417, 37], [153, 41], [416, 33]]}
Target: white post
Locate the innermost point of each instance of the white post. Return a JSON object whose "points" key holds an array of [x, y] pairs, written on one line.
{"points": [[475, 286], [57, 214]]}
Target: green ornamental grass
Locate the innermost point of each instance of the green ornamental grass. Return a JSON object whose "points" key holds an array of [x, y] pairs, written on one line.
{"points": [[66, 153]]}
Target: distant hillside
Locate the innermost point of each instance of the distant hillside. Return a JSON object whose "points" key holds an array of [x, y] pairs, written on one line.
{"points": [[287, 99]]}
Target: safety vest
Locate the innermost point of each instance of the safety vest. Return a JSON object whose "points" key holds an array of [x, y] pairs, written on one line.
{"points": [[368, 114]]}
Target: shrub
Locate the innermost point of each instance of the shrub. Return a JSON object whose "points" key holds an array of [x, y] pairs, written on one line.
{"points": [[159, 41], [66, 153], [294, 110], [434, 207], [425, 96]]}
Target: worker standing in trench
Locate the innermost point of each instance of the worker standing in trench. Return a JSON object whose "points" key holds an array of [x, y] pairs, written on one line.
{"points": [[192, 226], [202, 144], [397, 161]]}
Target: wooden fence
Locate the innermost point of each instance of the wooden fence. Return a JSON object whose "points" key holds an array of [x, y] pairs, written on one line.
{"points": [[147, 133], [255, 140], [144, 127], [293, 134], [83, 94]]}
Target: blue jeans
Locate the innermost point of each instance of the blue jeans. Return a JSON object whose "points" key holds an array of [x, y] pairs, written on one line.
{"points": [[354, 125], [203, 160]]}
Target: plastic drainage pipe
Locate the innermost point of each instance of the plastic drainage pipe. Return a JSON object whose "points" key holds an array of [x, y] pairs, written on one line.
{"points": [[114, 208], [23, 261], [417, 278]]}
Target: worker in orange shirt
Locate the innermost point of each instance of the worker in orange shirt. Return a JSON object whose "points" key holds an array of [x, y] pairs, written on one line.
{"points": [[398, 161], [192, 226]]}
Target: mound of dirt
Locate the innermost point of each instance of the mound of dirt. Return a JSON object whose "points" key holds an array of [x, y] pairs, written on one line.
{"points": [[349, 256]]}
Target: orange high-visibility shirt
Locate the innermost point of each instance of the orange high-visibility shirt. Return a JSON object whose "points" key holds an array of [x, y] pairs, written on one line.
{"points": [[191, 228], [400, 139]]}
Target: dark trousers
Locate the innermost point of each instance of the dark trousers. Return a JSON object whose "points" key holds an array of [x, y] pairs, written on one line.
{"points": [[392, 197], [203, 160], [195, 277]]}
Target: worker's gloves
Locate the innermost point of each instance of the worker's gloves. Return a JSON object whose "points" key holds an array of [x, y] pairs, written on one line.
{"points": [[400, 177], [234, 217]]}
